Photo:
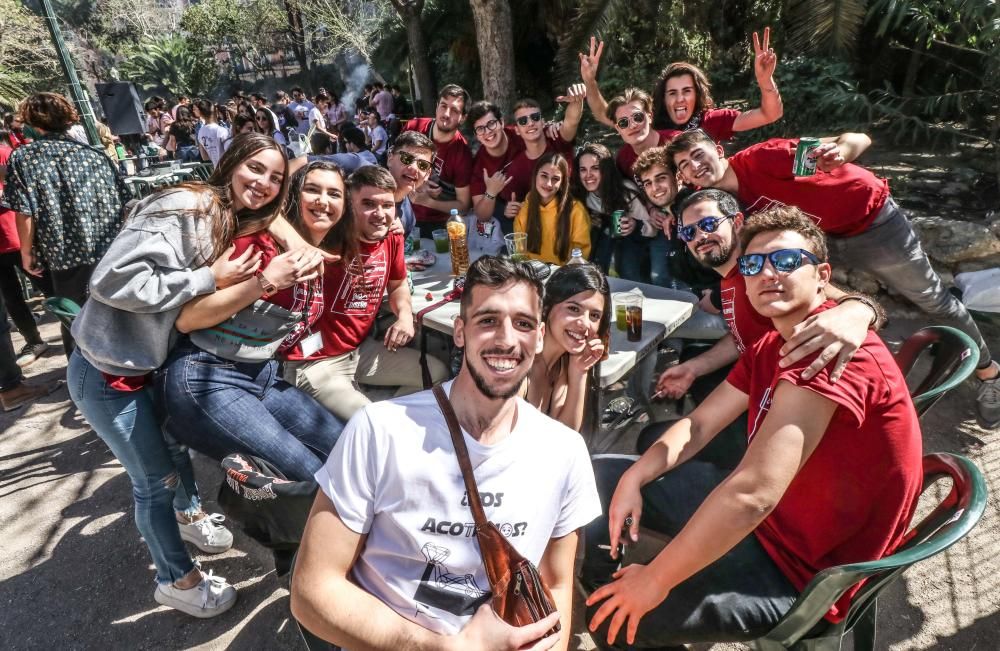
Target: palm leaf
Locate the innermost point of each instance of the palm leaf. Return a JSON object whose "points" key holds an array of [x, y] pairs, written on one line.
{"points": [[589, 18], [821, 26]]}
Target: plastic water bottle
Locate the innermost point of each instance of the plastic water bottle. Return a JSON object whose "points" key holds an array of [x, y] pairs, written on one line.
{"points": [[459, 243], [576, 257]]}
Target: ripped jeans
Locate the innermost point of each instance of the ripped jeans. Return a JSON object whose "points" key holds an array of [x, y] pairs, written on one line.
{"points": [[161, 472]]}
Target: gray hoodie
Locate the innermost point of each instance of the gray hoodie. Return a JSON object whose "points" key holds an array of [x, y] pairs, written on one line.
{"points": [[155, 265]]}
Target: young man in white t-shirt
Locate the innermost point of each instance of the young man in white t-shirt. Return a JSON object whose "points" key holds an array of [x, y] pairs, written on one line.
{"points": [[389, 559]]}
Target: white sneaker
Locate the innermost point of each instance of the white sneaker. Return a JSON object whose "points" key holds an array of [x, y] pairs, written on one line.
{"points": [[213, 596], [207, 534]]}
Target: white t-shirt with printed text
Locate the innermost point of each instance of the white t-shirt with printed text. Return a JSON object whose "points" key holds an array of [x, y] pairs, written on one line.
{"points": [[212, 136], [394, 476]]}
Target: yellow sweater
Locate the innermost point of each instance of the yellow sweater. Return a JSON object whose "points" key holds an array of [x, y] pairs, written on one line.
{"points": [[579, 235]]}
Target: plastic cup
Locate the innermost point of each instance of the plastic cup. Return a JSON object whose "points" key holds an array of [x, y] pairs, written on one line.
{"points": [[621, 301], [633, 318], [440, 240], [517, 246]]}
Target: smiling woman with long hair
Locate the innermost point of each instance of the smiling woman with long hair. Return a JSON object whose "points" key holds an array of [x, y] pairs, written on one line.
{"points": [[172, 249], [220, 391], [577, 316], [555, 222]]}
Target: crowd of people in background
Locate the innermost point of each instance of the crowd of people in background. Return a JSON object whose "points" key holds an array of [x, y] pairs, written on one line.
{"points": [[236, 316]]}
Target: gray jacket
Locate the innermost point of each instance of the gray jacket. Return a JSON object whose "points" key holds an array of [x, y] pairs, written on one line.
{"points": [[156, 264]]}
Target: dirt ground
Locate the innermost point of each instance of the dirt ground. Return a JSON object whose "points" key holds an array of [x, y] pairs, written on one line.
{"points": [[75, 574]]}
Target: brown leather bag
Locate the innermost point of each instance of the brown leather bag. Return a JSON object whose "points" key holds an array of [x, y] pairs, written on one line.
{"points": [[520, 596]]}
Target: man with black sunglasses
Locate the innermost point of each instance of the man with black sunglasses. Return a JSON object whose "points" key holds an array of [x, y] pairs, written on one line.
{"points": [[448, 185], [867, 230], [632, 115], [710, 221], [410, 163], [831, 475]]}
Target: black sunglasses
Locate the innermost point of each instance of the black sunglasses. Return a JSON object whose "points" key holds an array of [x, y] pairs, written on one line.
{"points": [[409, 159], [705, 225], [637, 118], [523, 120], [783, 260], [489, 126]]}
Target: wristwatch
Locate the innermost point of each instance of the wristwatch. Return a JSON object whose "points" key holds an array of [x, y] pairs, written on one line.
{"points": [[267, 288]]}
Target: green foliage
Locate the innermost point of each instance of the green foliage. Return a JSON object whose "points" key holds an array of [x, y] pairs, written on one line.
{"points": [[819, 95], [27, 59], [174, 63], [247, 29], [824, 26]]}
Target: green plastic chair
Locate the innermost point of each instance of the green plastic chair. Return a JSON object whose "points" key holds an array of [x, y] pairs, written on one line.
{"points": [[64, 309], [948, 523], [955, 357]]}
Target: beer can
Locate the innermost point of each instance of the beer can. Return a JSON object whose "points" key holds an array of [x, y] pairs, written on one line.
{"points": [[804, 165], [616, 223]]}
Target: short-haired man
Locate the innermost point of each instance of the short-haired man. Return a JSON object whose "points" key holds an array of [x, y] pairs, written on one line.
{"points": [[68, 199], [710, 222], [831, 475], [300, 107], [631, 113], [410, 162], [448, 185], [506, 161], [353, 289], [867, 230], [389, 559], [286, 116], [382, 101]]}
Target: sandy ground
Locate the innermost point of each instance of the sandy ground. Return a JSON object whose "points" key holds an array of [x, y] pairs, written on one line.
{"points": [[74, 572]]}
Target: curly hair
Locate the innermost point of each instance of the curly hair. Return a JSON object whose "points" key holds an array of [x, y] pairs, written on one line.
{"points": [[48, 111]]}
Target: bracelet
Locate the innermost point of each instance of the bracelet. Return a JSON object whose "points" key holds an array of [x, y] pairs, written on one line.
{"points": [[491, 197], [879, 318]]}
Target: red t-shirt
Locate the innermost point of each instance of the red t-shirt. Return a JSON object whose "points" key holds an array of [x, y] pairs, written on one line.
{"points": [[854, 498], [745, 323], [718, 123], [301, 297], [842, 202], [452, 166], [9, 241], [522, 167], [353, 295], [485, 161], [626, 155]]}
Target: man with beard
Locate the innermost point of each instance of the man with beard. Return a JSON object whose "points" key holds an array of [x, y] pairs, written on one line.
{"points": [[867, 230], [448, 185], [389, 559], [710, 221]]}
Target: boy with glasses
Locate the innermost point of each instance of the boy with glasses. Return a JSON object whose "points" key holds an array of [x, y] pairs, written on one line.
{"points": [[831, 475], [631, 113], [410, 162], [867, 230], [448, 185]]}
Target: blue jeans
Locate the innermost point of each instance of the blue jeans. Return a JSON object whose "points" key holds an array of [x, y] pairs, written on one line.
{"points": [[161, 473], [741, 596], [891, 251], [629, 254], [219, 407]]}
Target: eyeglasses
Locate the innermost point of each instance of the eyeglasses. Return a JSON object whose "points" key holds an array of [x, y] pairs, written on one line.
{"points": [[489, 126], [705, 225], [523, 120], [407, 158], [637, 118], [783, 260]]}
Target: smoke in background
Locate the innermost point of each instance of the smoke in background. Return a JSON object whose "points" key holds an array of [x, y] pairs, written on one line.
{"points": [[355, 81]]}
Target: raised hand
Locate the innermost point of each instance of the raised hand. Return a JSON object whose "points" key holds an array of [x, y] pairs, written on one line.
{"points": [[513, 207], [590, 62], [575, 93], [496, 183], [590, 355], [229, 272], [765, 60], [828, 156]]}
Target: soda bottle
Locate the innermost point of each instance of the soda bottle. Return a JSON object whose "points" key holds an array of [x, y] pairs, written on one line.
{"points": [[576, 257], [459, 244]]}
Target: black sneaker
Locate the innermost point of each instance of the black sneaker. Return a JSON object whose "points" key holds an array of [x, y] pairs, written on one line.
{"points": [[31, 352]]}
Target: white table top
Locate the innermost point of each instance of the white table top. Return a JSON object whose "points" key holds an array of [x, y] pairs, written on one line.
{"points": [[661, 315]]}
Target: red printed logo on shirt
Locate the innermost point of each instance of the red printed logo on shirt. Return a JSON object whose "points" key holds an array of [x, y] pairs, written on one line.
{"points": [[360, 292], [729, 313], [764, 202]]}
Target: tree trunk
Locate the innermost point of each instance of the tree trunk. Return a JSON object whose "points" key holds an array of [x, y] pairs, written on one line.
{"points": [[298, 34], [410, 11], [495, 39]]}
